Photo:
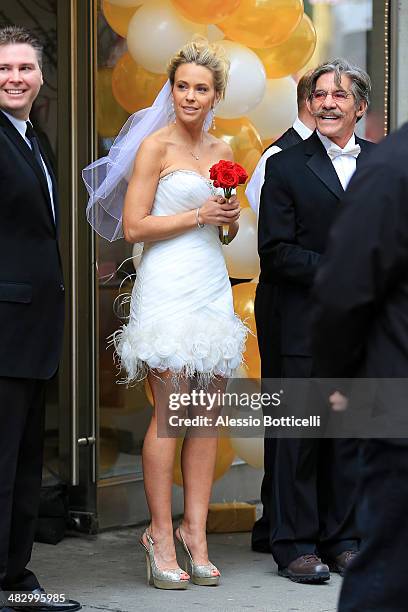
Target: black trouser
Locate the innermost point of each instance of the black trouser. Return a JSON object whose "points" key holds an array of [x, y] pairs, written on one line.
{"points": [[313, 490], [268, 334], [377, 578], [21, 456]]}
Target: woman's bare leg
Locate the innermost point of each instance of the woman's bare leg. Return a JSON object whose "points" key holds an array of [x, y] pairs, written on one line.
{"points": [[198, 463], [158, 460]]}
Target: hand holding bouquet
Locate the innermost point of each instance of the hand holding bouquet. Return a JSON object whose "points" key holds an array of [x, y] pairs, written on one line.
{"points": [[227, 175]]}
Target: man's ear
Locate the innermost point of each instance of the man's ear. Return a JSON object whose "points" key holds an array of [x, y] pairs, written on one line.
{"points": [[309, 106], [361, 109]]}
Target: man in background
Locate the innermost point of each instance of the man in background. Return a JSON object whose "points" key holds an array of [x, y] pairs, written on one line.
{"points": [[312, 512]]}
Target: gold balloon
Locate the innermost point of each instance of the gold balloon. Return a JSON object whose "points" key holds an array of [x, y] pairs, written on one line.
{"points": [[206, 11], [133, 86], [148, 392], [267, 143], [291, 55], [263, 23], [118, 17], [225, 456], [243, 139], [110, 116], [244, 297]]}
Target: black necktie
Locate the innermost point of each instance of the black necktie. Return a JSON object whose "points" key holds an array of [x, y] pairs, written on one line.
{"points": [[32, 137]]}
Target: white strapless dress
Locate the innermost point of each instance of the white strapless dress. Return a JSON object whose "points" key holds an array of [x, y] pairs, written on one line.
{"points": [[181, 311]]}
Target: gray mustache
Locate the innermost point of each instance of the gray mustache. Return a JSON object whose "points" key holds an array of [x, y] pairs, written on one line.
{"points": [[333, 114]]}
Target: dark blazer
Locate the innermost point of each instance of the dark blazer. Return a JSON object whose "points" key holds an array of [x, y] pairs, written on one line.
{"points": [[288, 139], [31, 282], [361, 317], [299, 202]]}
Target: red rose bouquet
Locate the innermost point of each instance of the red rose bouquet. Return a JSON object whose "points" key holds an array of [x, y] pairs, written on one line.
{"points": [[227, 175]]}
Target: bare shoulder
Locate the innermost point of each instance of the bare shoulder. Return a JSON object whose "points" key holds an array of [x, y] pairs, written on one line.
{"points": [[221, 149], [154, 144]]}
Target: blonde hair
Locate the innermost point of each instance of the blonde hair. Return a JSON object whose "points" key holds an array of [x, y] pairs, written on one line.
{"points": [[203, 53]]}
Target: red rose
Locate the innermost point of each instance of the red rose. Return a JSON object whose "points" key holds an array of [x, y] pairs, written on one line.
{"points": [[228, 178], [243, 176]]}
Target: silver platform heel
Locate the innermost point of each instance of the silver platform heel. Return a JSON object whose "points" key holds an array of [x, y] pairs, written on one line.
{"points": [[161, 578], [199, 574]]}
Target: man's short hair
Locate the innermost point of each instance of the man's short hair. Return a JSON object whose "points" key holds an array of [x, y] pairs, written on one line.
{"points": [[16, 35], [360, 81], [303, 88]]}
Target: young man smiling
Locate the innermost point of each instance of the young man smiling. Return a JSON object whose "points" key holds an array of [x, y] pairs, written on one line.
{"points": [[31, 314], [314, 481]]}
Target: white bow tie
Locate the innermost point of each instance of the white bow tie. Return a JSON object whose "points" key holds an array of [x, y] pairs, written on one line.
{"points": [[334, 151]]}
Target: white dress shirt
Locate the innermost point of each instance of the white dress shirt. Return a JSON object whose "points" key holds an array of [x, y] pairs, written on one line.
{"points": [[253, 190], [344, 163], [21, 127]]}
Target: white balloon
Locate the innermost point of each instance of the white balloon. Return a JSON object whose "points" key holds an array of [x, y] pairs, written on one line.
{"points": [[241, 255], [250, 450], [137, 252], [246, 81], [214, 34], [278, 108], [156, 31]]}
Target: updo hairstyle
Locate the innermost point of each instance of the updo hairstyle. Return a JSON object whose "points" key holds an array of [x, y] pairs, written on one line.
{"points": [[206, 54]]}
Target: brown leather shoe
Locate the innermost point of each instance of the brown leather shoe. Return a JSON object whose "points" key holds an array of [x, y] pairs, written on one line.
{"points": [[340, 563], [307, 568]]}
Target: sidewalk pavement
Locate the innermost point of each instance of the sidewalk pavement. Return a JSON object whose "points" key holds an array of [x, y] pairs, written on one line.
{"points": [[107, 573]]}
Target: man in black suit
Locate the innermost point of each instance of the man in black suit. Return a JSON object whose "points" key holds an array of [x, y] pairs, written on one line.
{"points": [[361, 330], [312, 512], [31, 308], [266, 315]]}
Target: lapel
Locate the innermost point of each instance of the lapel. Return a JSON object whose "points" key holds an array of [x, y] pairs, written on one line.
{"points": [[320, 164], [365, 147], [15, 137]]}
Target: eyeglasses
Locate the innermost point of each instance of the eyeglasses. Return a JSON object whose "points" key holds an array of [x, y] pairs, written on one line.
{"points": [[338, 96]]}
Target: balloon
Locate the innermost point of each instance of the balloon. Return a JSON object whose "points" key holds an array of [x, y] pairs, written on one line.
{"points": [[241, 255], [133, 86], [250, 450], [118, 17], [206, 11], [267, 143], [263, 23], [243, 138], [110, 116], [214, 34], [246, 81], [156, 32], [244, 296], [278, 108], [126, 3], [291, 55], [225, 456], [148, 392], [242, 199]]}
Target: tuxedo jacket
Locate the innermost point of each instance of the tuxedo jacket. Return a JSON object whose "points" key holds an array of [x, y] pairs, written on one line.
{"points": [[31, 281], [300, 199], [288, 139], [361, 292]]}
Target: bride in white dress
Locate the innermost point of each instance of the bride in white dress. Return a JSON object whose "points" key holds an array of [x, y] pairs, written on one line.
{"points": [[182, 323]]}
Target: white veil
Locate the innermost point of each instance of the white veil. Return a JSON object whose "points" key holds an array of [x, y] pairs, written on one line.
{"points": [[106, 179]]}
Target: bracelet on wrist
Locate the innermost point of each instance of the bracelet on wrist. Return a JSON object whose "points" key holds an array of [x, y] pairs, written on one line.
{"points": [[199, 225]]}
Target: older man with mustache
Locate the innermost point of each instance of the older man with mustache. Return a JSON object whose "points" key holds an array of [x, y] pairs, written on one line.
{"points": [[314, 484]]}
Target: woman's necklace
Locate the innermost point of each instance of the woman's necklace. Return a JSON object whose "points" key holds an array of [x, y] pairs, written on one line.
{"points": [[197, 155]]}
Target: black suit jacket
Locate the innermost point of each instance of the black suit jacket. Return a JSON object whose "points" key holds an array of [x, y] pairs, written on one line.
{"points": [[299, 202], [31, 282], [361, 291]]}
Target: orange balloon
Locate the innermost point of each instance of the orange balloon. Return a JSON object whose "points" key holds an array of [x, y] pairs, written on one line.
{"points": [[206, 11], [225, 456], [243, 139], [110, 116], [267, 143], [244, 297], [291, 55], [263, 23], [118, 17], [133, 86]]}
